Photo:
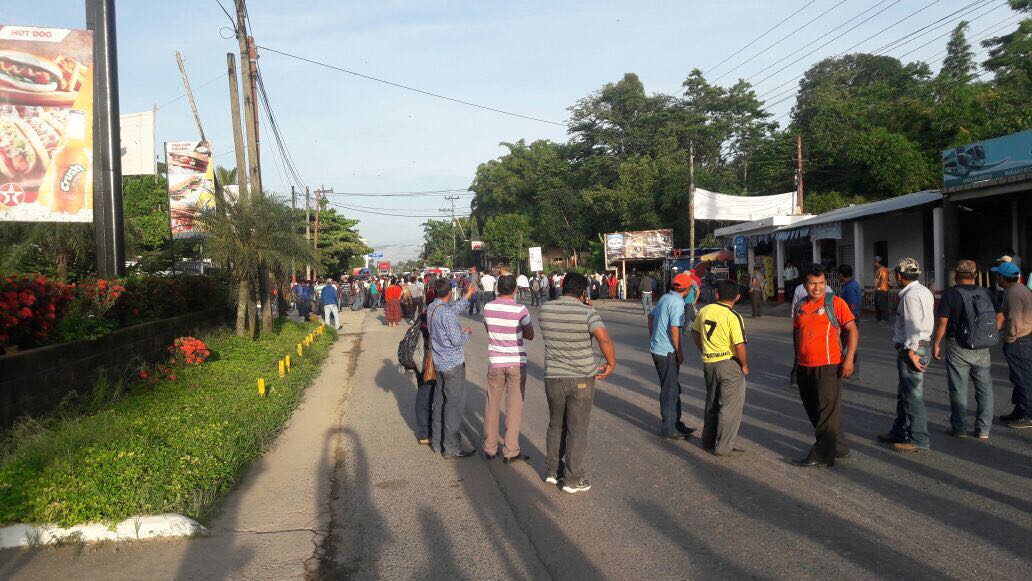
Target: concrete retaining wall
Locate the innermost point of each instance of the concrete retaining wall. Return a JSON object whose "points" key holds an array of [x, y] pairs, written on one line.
{"points": [[33, 382]]}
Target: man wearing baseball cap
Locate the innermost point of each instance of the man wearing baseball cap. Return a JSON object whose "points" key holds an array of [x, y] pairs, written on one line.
{"points": [[665, 322], [967, 349], [1017, 342], [915, 321]]}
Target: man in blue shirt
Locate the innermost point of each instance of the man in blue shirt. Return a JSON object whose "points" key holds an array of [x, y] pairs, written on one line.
{"points": [[853, 295], [665, 322], [447, 340], [329, 301]]}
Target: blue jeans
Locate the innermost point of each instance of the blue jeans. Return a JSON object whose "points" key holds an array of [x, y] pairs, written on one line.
{"points": [[449, 407], [646, 302], [911, 416], [1019, 360], [474, 302], [424, 412], [962, 364], [669, 392]]}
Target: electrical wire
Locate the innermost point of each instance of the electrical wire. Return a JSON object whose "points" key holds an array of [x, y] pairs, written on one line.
{"points": [[197, 88], [408, 88], [753, 41]]}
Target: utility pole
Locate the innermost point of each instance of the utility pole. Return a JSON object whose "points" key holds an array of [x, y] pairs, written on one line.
{"points": [[250, 106], [318, 204], [293, 216], [454, 249], [308, 227], [691, 204], [189, 95], [107, 157], [238, 131], [799, 173]]}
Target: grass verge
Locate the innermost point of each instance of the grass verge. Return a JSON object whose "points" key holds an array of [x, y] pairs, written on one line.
{"points": [[174, 447]]}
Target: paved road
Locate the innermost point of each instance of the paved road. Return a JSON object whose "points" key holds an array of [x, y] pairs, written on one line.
{"points": [[660, 509]]}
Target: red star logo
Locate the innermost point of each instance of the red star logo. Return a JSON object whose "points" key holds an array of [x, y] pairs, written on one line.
{"points": [[11, 194]]}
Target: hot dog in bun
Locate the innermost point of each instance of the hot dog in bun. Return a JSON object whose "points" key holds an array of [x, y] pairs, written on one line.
{"points": [[26, 72]]}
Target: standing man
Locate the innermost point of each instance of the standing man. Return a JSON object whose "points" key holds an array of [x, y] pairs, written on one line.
{"points": [[508, 324], [329, 300], [487, 284], [447, 339], [648, 284], [756, 286], [819, 321], [535, 290], [790, 274], [967, 319], [568, 325], [418, 300], [719, 334], [854, 296], [881, 290], [475, 303], [523, 286], [915, 321], [1017, 346], [665, 322]]}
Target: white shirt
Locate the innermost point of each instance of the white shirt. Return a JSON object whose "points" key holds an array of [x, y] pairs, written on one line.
{"points": [[916, 316], [487, 282], [800, 294], [522, 281], [791, 273]]}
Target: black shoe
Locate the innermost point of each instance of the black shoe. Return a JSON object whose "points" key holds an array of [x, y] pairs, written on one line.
{"points": [[809, 463], [684, 429], [460, 454], [490, 456], [674, 436], [887, 438], [956, 433], [734, 452], [1014, 415], [516, 458], [1020, 424]]}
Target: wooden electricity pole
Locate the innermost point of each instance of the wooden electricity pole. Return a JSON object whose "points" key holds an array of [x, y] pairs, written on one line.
{"points": [[799, 173], [189, 95], [238, 132], [691, 204], [308, 227], [250, 107], [318, 204]]}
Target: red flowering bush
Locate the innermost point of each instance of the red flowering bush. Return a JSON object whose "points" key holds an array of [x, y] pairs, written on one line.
{"points": [[189, 351], [30, 306]]}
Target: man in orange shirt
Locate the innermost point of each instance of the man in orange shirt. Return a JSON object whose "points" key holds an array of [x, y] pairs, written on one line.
{"points": [[819, 322], [881, 290]]}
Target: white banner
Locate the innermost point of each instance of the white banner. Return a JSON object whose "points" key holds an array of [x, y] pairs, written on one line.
{"points": [[534, 254], [713, 206], [138, 156]]}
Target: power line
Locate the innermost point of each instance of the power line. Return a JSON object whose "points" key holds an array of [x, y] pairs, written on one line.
{"points": [[413, 89], [197, 88], [753, 41], [460, 191]]}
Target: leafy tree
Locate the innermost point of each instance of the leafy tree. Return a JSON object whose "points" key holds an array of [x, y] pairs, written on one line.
{"points": [[340, 246], [508, 236]]}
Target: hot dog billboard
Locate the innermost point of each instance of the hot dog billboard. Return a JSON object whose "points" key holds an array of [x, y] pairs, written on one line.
{"points": [[191, 184], [46, 124]]}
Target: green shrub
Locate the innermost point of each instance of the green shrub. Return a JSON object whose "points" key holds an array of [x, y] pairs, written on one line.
{"points": [[174, 447]]}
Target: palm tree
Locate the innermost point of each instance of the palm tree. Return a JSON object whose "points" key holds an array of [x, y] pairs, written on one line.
{"points": [[256, 237]]}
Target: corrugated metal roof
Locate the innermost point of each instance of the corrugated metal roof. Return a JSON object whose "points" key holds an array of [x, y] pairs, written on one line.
{"points": [[871, 209]]}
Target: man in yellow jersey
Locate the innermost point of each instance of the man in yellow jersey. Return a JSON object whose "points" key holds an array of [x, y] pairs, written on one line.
{"points": [[719, 333]]}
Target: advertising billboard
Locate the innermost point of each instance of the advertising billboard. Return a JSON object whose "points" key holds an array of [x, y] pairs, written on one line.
{"points": [[137, 131], [987, 160], [639, 244], [534, 257], [191, 184], [46, 124], [384, 266]]}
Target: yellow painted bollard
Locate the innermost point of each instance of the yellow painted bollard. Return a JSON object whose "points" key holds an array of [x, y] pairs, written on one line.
{"points": [[287, 361], [282, 369], [261, 386], [299, 350]]}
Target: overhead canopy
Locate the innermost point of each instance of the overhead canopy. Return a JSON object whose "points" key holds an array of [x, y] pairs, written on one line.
{"points": [[888, 206], [713, 206], [723, 254]]}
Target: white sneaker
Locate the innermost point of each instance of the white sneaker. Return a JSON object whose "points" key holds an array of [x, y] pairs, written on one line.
{"points": [[581, 485], [552, 479]]}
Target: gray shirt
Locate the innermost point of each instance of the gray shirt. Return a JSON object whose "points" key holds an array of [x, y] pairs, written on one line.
{"points": [[1017, 310], [566, 325], [916, 316]]}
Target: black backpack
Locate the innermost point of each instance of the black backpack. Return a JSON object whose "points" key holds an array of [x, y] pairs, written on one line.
{"points": [[977, 330], [407, 347]]}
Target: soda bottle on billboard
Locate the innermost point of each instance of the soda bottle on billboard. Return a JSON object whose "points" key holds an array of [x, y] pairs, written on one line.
{"points": [[72, 163]]}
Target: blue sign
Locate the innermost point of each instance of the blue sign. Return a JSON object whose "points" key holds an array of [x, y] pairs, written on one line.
{"points": [[375, 255], [741, 253], [987, 160]]}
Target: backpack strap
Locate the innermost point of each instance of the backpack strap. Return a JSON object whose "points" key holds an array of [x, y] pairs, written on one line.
{"points": [[829, 308]]}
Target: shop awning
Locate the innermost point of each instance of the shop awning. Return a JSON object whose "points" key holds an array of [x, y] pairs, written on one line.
{"points": [[723, 254], [792, 234]]}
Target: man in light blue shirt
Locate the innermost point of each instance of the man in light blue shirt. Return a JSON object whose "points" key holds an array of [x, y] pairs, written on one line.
{"points": [[665, 322]]}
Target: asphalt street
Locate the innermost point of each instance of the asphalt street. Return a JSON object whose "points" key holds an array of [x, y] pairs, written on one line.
{"points": [[666, 509]]}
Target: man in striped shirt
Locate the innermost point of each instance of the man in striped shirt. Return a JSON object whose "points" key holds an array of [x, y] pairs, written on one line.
{"points": [[508, 325], [568, 325]]}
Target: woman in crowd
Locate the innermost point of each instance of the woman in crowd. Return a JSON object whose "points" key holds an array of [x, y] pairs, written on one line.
{"points": [[392, 296]]}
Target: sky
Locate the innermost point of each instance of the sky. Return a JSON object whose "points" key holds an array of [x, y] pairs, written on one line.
{"points": [[533, 58]]}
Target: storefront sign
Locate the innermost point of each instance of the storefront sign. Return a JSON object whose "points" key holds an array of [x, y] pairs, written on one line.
{"points": [[832, 231], [639, 244], [988, 160], [476, 244], [741, 251], [46, 124], [191, 184]]}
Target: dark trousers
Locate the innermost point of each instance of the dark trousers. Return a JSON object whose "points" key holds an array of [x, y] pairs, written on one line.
{"points": [[302, 308], [725, 398], [449, 407], [821, 391], [669, 392], [424, 407], [1019, 360], [475, 302], [535, 298], [569, 408], [881, 305], [757, 303]]}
